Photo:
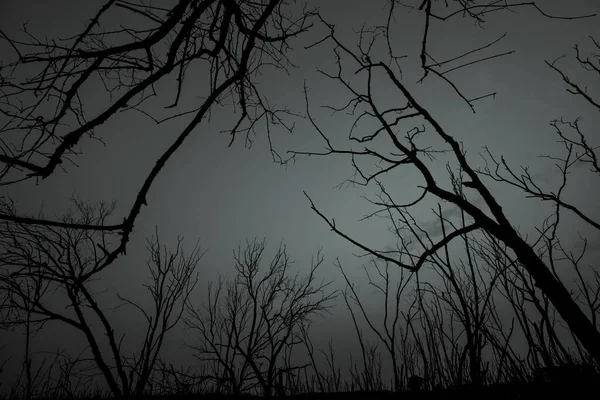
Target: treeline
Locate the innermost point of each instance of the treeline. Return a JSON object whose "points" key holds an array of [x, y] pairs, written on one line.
{"points": [[460, 323]]}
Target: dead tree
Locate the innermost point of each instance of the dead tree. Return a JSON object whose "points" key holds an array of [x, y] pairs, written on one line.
{"points": [[579, 150], [227, 43], [46, 274], [464, 188], [390, 333], [247, 323]]}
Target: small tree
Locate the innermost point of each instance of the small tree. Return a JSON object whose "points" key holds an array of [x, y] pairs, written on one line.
{"points": [[389, 332], [247, 323], [46, 274]]}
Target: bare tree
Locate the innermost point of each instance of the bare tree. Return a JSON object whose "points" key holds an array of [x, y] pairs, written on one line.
{"points": [[46, 374], [508, 364], [326, 381], [388, 331], [248, 323], [578, 152], [42, 86], [484, 212], [46, 274], [468, 288]]}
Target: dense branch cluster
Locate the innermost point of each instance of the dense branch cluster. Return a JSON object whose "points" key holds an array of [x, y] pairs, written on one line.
{"points": [[45, 119], [251, 324]]}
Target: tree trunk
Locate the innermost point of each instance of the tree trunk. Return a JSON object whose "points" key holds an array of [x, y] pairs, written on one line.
{"points": [[559, 296]]}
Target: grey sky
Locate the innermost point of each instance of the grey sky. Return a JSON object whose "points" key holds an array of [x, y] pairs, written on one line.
{"points": [[222, 195]]}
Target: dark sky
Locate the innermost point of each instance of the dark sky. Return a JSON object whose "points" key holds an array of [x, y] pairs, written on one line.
{"points": [[223, 195]]}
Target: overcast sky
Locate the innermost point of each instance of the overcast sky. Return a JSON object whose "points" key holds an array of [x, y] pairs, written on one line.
{"points": [[224, 195]]}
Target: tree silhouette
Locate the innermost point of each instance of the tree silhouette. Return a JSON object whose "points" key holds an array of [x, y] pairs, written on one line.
{"points": [[408, 151], [248, 323], [46, 274], [46, 123]]}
